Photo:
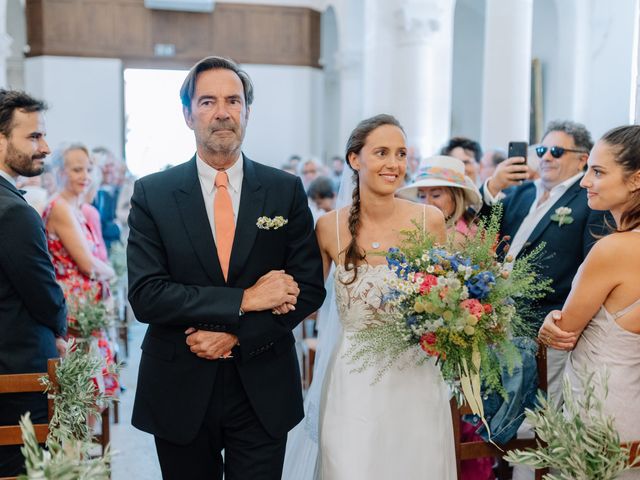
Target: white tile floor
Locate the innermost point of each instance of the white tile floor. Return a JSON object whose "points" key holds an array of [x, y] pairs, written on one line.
{"points": [[134, 453]]}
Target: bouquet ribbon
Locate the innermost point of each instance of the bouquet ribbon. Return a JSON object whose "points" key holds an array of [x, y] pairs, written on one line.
{"points": [[470, 383]]}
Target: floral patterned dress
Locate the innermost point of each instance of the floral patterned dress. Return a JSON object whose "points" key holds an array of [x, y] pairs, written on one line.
{"points": [[72, 280]]}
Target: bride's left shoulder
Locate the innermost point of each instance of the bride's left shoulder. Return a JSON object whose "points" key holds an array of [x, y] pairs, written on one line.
{"points": [[418, 211]]}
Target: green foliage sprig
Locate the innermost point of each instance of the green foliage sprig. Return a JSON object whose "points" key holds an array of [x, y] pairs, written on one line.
{"points": [[581, 442], [86, 312], [77, 396], [64, 459]]}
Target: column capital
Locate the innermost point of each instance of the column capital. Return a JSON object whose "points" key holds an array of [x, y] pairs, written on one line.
{"points": [[416, 21]]}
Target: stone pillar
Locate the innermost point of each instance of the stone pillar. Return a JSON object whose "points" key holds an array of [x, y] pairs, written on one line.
{"points": [[506, 90], [408, 57], [5, 43]]}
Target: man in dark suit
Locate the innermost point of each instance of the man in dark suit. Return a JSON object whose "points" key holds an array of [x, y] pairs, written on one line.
{"points": [[32, 307], [223, 264], [553, 210]]}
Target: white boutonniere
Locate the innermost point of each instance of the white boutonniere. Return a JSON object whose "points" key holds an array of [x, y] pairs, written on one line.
{"points": [[266, 223], [562, 216]]}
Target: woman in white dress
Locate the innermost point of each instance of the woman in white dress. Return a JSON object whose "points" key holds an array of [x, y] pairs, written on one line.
{"points": [[606, 287], [399, 427]]}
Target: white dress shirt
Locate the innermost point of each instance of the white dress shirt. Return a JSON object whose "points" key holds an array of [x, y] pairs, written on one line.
{"points": [[537, 212], [207, 177]]}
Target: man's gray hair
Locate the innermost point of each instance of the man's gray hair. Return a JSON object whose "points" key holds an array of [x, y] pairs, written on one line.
{"points": [[214, 63], [579, 133]]}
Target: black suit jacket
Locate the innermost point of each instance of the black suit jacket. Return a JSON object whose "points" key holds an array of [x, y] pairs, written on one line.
{"points": [[32, 306], [175, 282], [566, 246]]}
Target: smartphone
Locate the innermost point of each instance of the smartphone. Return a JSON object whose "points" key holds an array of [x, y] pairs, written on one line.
{"points": [[518, 149]]}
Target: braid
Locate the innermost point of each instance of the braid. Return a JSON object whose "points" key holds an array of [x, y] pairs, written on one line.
{"points": [[354, 255]]}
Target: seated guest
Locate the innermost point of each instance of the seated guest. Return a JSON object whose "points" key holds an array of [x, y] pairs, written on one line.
{"points": [[106, 200], [466, 150], [309, 170], [32, 306], [605, 291], [92, 215], [321, 193], [441, 182], [73, 245]]}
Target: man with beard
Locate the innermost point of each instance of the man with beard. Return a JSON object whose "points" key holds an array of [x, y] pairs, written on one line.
{"points": [[223, 264], [32, 307]]}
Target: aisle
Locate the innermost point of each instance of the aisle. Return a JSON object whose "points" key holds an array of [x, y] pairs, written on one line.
{"points": [[134, 453]]}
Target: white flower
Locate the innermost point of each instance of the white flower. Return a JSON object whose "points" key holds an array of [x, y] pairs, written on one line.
{"points": [[266, 223], [430, 269], [563, 211]]}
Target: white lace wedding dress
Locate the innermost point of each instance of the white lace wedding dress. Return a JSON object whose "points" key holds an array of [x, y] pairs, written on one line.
{"points": [[397, 428]]}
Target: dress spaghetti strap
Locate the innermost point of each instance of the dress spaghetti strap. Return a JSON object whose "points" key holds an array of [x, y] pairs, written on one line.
{"points": [[424, 219]]}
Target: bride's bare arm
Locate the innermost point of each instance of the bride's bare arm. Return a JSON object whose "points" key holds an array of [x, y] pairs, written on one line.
{"points": [[596, 278]]}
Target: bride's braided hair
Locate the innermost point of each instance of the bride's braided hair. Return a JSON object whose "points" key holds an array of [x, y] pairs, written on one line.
{"points": [[355, 255]]}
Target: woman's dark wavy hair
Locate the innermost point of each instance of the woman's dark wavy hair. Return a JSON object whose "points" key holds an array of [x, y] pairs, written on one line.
{"points": [[625, 142], [354, 255]]}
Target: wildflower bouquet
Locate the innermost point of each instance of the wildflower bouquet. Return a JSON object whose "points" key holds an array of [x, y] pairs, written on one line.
{"points": [[460, 305]]}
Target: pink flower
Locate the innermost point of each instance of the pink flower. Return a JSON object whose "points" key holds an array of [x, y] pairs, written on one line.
{"points": [[474, 307], [487, 308], [428, 281]]}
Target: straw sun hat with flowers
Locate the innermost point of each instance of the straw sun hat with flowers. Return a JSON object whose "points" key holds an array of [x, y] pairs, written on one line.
{"points": [[443, 171]]}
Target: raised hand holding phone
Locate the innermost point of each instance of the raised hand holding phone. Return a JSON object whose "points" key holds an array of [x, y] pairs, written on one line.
{"points": [[513, 171]]}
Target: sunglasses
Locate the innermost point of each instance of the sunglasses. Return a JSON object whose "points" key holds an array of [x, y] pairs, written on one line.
{"points": [[556, 152]]}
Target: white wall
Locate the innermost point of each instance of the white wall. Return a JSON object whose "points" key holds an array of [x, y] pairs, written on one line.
{"points": [[84, 97], [286, 113], [609, 61]]}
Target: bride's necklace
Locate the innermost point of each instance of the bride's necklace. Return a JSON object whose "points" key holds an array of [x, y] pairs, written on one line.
{"points": [[375, 245]]}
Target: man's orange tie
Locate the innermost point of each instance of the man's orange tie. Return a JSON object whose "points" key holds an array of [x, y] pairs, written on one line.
{"points": [[223, 215]]}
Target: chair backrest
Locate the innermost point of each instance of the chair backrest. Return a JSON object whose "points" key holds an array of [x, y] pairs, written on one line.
{"points": [[27, 383], [481, 449]]}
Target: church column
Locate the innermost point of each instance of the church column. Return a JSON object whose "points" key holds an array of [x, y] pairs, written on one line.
{"points": [[408, 57], [5, 44], [506, 90]]}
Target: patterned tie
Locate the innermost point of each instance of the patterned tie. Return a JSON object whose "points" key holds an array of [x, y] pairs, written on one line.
{"points": [[223, 215]]}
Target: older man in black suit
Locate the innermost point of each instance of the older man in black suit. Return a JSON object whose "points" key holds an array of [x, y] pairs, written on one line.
{"points": [[32, 306], [552, 210], [223, 264]]}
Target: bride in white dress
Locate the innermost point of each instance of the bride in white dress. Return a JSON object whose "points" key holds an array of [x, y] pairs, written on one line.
{"points": [[606, 288], [399, 427]]}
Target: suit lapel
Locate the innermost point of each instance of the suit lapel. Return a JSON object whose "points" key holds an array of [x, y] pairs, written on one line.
{"points": [[194, 216], [563, 201], [251, 208], [9, 186]]}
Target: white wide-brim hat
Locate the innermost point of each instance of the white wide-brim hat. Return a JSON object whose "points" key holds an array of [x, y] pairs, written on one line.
{"points": [[442, 171]]}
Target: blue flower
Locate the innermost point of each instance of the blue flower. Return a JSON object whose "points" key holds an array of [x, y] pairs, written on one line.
{"points": [[411, 320], [480, 285]]}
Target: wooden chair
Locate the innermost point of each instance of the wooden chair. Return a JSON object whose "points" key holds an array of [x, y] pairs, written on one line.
{"points": [[27, 383], [481, 449]]}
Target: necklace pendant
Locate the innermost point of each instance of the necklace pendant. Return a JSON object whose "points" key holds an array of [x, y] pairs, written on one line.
{"points": [[375, 244]]}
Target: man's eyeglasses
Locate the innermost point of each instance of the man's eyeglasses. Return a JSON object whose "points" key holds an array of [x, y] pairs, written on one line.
{"points": [[556, 152]]}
